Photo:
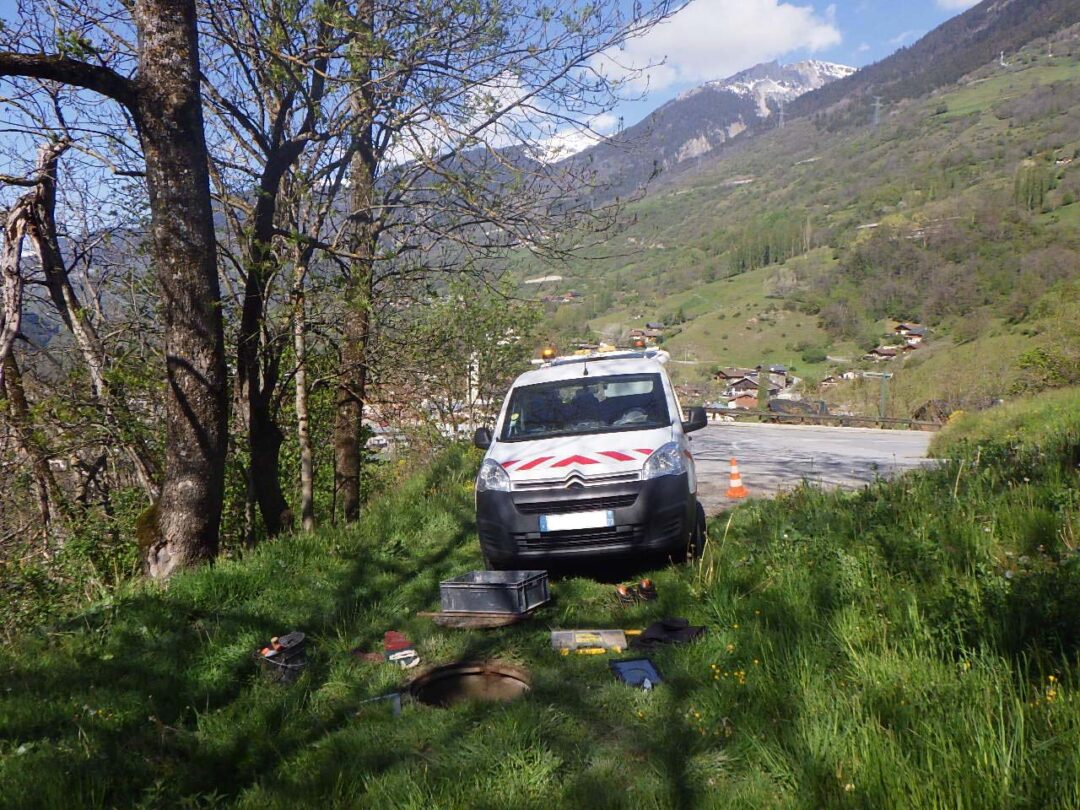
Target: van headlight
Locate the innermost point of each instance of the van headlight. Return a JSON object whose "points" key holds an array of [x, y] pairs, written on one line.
{"points": [[667, 460], [492, 477]]}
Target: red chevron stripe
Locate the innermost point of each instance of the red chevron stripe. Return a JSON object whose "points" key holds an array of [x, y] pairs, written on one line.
{"points": [[536, 462], [615, 454], [566, 462], [508, 464], [645, 451]]}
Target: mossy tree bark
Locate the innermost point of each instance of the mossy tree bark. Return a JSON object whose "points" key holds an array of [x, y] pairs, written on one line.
{"points": [[164, 100], [362, 244]]}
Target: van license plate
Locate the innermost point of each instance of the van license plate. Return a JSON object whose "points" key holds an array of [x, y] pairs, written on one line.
{"points": [[577, 520]]}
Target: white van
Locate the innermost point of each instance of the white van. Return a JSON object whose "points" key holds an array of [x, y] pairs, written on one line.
{"points": [[589, 458]]}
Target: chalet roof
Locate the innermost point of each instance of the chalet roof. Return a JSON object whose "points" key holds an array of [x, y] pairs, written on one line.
{"points": [[733, 373], [910, 329], [752, 382]]}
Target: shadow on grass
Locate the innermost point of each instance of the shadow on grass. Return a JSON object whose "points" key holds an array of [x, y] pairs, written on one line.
{"points": [[124, 701]]}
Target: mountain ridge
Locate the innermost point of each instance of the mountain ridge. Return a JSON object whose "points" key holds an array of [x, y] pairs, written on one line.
{"points": [[943, 56], [691, 126]]}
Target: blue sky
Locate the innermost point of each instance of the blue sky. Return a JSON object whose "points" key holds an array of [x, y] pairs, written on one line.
{"points": [[711, 39]]}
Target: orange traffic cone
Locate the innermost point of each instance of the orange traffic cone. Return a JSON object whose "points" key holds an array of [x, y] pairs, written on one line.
{"points": [[736, 490]]}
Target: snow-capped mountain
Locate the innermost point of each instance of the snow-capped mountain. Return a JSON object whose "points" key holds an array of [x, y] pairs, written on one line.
{"points": [[697, 122], [773, 82]]}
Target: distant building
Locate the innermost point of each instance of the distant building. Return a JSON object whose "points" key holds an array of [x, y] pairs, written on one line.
{"points": [[880, 354], [909, 329], [751, 385], [734, 373], [746, 402]]}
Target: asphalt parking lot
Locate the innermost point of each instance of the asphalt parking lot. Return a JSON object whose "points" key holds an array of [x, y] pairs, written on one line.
{"points": [[773, 458]]}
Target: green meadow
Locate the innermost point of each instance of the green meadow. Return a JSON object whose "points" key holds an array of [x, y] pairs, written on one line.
{"points": [[912, 644]]}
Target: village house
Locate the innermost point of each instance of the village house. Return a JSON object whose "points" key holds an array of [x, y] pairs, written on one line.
{"points": [[746, 402], [912, 333], [729, 374], [881, 353], [750, 384]]}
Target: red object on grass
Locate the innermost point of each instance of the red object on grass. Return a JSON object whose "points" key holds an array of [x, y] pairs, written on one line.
{"points": [[394, 641]]}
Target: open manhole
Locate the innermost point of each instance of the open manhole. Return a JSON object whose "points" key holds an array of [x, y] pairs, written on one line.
{"points": [[470, 680]]}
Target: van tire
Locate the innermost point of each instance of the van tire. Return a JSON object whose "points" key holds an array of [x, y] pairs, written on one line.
{"points": [[696, 547]]}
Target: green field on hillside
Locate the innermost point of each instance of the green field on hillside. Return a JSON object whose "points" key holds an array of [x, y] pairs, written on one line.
{"points": [[920, 219], [910, 645]]}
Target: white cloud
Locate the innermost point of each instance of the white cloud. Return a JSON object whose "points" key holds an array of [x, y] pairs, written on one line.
{"points": [[902, 37], [863, 48], [711, 39], [956, 5]]}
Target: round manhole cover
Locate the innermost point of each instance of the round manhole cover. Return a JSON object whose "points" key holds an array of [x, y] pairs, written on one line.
{"points": [[470, 680]]}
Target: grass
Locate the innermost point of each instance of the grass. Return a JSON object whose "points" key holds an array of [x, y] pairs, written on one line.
{"points": [[909, 645], [734, 322], [1024, 421]]}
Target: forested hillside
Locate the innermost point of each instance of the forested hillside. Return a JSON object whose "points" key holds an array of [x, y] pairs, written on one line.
{"points": [[958, 211]]}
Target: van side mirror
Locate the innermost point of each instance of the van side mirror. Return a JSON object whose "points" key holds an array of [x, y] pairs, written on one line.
{"points": [[482, 438], [697, 420]]}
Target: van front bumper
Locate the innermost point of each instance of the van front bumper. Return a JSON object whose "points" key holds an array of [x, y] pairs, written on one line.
{"points": [[649, 516]]}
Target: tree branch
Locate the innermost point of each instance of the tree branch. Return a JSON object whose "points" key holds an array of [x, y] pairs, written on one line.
{"points": [[55, 68]]}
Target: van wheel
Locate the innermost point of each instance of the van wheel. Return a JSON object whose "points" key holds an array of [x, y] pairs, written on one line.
{"points": [[697, 537]]}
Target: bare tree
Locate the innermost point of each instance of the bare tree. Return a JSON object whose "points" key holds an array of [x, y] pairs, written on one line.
{"points": [[266, 78], [454, 105], [161, 94]]}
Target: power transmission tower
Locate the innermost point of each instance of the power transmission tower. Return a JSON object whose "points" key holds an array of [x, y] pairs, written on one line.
{"points": [[1001, 60], [877, 110], [782, 117]]}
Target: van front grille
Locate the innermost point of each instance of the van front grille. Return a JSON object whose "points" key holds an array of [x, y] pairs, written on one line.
{"points": [[579, 505], [576, 478]]}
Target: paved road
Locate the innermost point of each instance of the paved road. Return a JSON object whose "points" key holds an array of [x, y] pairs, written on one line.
{"points": [[778, 457]]}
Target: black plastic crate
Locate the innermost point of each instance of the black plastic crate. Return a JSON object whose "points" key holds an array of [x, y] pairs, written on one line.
{"points": [[494, 592]]}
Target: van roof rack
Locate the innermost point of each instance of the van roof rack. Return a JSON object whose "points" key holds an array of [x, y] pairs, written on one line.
{"points": [[659, 355]]}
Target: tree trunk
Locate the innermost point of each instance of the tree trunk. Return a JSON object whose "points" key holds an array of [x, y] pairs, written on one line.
{"points": [[45, 488], [42, 231], [349, 407], [303, 423], [196, 404], [363, 237], [165, 102], [257, 362], [11, 283]]}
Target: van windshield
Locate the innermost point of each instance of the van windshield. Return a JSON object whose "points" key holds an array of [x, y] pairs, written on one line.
{"points": [[586, 405]]}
